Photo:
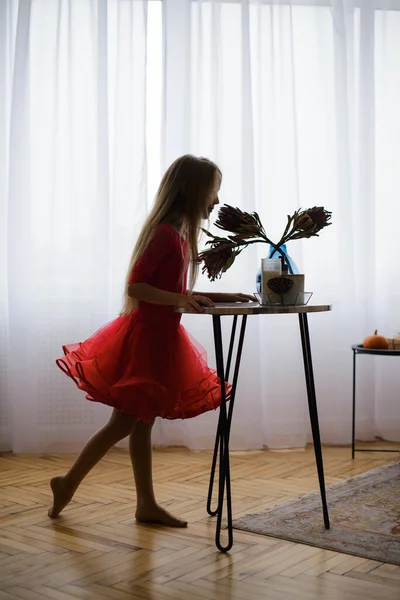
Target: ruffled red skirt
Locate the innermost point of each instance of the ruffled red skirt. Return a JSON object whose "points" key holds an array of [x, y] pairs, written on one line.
{"points": [[144, 368]]}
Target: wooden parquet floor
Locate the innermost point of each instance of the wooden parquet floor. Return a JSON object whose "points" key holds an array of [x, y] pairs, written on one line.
{"points": [[97, 551]]}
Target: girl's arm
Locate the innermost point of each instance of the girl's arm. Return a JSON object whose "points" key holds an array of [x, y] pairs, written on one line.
{"points": [[145, 292], [221, 297]]}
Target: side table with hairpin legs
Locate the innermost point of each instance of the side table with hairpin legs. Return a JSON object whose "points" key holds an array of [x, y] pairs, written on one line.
{"points": [[358, 349], [221, 448]]}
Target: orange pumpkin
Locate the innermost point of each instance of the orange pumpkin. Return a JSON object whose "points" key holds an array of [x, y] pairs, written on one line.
{"points": [[376, 342]]}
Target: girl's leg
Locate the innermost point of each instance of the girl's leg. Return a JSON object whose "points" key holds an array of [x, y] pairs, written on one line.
{"points": [[118, 427], [147, 509]]}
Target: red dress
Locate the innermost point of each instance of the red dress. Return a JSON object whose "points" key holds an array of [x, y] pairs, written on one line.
{"points": [[145, 363]]}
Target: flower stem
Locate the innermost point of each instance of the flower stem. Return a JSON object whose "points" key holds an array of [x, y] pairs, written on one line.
{"points": [[285, 257], [266, 240]]}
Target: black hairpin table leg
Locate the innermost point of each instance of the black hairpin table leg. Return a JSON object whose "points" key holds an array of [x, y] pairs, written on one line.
{"points": [[221, 447], [212, 512], [312, 405]]}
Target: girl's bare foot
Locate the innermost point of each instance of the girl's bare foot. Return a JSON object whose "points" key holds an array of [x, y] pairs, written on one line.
{"points": [[61, 496], [153, 513]]}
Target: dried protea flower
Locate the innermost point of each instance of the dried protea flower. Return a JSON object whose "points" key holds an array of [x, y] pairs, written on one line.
{"points": [[312, 220], [239, 222], [218, 259], [303, 223], [320, 216]]}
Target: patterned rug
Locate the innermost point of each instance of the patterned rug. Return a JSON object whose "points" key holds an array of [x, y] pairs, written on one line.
{"points": [[364, 513]]}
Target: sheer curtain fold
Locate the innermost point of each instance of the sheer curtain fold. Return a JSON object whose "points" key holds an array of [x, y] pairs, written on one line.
{"points": [[74, 196], [296, 122], [297, 101]]}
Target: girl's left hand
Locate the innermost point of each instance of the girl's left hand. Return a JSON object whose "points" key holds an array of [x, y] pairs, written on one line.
{"points": [[238, 298]]}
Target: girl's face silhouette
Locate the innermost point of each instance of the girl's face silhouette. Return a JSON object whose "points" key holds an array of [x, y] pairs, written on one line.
{"points": [[212, 199]]}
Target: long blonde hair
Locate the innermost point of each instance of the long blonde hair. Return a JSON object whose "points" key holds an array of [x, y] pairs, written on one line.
{"points": [[180, 196]]}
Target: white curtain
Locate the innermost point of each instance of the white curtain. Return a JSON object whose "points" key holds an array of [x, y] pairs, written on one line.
{"points": [[75, 122], [296, 101]]}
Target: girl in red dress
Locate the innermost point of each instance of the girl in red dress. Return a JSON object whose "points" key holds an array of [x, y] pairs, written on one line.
{"points": [[144, 364]]}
